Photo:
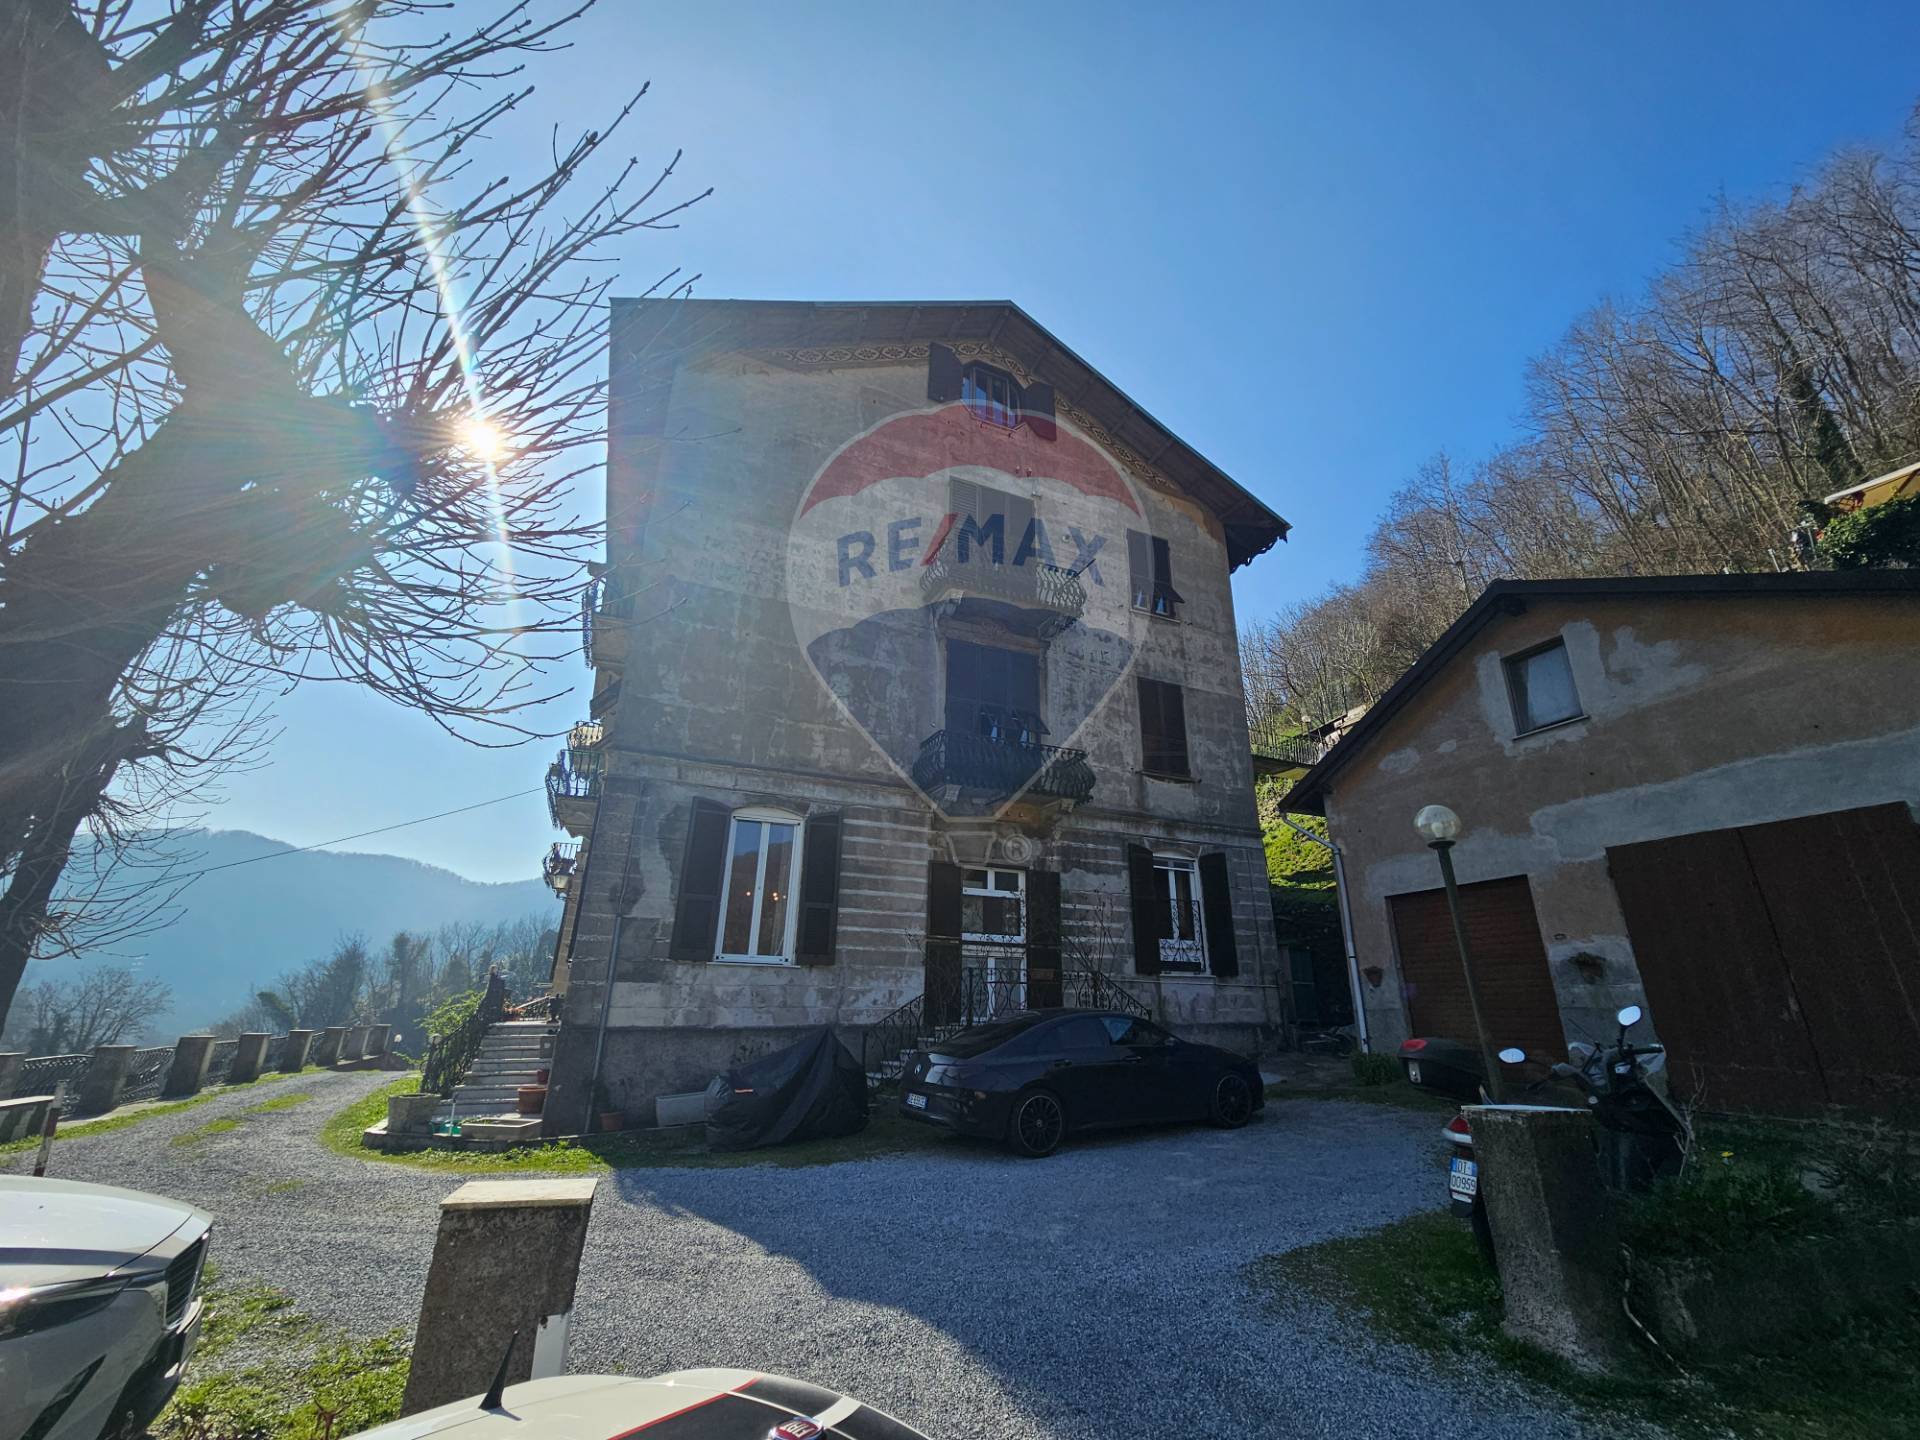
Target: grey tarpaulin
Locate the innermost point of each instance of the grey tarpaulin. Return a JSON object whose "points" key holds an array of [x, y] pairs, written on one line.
{"points": [[810, 1090]]}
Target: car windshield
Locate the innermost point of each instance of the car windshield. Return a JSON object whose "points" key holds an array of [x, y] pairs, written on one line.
{"points": [[982, 1038]]}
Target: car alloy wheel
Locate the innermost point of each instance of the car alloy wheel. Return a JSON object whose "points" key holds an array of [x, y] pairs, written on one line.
{"points": [[1232, 1102], [1038, 1124]]}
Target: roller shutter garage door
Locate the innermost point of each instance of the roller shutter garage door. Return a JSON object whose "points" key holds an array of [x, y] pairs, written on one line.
{"points": [[1509, 966], [1782, 961]]}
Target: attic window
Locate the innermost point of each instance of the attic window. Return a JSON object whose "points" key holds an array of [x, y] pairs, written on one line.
{"points": [[1540, 684], [992, 395]]}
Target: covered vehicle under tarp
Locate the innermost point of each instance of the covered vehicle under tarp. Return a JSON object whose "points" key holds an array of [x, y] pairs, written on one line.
{"points": [[811, 1090]]}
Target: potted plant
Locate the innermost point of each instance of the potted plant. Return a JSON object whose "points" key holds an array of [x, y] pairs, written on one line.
{"points": [[605, 1117]]}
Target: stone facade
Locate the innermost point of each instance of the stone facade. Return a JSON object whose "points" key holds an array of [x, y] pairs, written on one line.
{"points": [[707, 697]]}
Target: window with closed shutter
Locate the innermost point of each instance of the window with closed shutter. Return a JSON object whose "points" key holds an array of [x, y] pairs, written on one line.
{"points": [[1163, 728], [1150, 573]]}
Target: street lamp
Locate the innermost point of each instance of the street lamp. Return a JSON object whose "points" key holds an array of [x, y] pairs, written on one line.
{"points": [[1440, 827]]}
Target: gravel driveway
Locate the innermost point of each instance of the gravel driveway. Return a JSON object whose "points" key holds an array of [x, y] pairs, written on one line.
{"points": [[1095, 1293]]}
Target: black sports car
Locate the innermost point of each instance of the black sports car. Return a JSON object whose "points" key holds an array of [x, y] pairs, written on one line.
{"points": [[1034, 1077]]}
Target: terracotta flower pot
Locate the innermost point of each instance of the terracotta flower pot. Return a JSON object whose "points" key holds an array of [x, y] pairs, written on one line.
{"points": [[533, 1099], [612, 1120]]}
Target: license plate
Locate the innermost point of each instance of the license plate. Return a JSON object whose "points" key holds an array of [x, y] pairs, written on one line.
{"points": [[1413, 1071], [1463, 1178], [916, 1102]]}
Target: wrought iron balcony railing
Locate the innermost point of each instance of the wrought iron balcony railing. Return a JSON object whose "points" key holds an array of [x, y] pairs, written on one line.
{"points": [[1053, 589], [604, 613], [573, 786], [1297, 750], [1001, 768]]}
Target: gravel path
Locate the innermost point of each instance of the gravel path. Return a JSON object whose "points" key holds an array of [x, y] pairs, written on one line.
{"points": [[1095, 1293]]}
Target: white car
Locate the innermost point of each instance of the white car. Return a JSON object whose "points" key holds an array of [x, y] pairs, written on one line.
{"points": [[685, 1405], [98, 1311]]}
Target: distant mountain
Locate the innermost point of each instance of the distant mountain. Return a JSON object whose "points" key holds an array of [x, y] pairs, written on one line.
{"points": [[239, 929]]}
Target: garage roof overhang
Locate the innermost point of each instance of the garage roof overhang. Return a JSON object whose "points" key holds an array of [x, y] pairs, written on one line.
{"points": [[1510, 597]]}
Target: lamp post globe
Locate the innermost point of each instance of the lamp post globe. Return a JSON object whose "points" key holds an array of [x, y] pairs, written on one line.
{"points": [[1437, 825]]}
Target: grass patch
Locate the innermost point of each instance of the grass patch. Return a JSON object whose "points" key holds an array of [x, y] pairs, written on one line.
{"points": [[887, 1133], [1421, 1282], [1397, 1093], [279, 1102], [281, 1187], [308, 1385], [224, 1125]]}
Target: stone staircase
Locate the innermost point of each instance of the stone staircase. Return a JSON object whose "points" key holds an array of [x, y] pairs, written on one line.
{"points": [[892, 1067], [511, 1055]]}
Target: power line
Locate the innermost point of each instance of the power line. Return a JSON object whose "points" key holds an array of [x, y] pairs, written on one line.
{"points": [[362, 835]]}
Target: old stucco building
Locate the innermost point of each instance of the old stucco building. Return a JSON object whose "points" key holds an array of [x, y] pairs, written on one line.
{"points": [[917, 695], [1696, 794]]}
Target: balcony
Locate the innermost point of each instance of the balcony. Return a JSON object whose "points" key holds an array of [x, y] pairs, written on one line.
{"points": [[561, 865], [604, 613], [978, 773], [573, 779], [1033, 598]]}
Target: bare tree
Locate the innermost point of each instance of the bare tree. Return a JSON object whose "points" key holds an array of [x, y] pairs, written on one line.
{"points": [[107, 1005], [1776, 362], [288, 391]]}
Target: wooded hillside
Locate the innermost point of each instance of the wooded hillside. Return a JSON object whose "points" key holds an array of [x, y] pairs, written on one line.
{"points": [[1691, 431]]}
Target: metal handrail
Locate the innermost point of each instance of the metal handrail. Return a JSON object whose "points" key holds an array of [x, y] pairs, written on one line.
{"points": [[450, 1056], [894, 1032]]}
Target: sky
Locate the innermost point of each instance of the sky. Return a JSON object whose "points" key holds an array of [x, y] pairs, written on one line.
{"points": [[1320, 243]]}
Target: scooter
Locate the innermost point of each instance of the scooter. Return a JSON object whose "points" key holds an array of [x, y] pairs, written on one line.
{"points": [[1638, 1135]]}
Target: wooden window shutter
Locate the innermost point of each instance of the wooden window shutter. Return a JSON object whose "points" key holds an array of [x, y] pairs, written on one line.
{"points": [[1045, 982], [1216, 906], [1149, 901], [819, 890], [943, 374], [696, 910], [941, 1005], [1139, 569], [1037, 410], [1166, 599], [1163, 727]]}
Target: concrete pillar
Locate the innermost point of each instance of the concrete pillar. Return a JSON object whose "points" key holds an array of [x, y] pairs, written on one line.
{"points": [[10, 1064], [249, 1059], [412, 1114], [1556, 1231], [294, 1055], [189, 1072], [326, 1046], [506, 1259], [377, 1036], [101, 1081], [353, 1044]]}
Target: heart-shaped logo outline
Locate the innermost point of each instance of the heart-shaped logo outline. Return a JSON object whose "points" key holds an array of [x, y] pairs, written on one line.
{"points": [[881, 502]]}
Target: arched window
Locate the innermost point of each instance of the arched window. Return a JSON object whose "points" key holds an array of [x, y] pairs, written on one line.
{"points": [[757, 908]]}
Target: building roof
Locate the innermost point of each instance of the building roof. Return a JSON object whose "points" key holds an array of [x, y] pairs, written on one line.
{"points": [[686, 325], [1890, 486], [1509, 597]]}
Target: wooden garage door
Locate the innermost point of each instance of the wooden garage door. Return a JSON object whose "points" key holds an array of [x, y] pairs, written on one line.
{"points": [[1782, 961], [1509, 966]]}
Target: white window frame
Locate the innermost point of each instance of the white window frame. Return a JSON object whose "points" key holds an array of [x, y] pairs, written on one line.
{"points": [[1183, 957], [763, 816], [977, 937]]}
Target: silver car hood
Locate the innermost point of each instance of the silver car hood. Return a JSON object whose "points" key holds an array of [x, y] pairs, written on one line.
{"points": [[58, 1230]]}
